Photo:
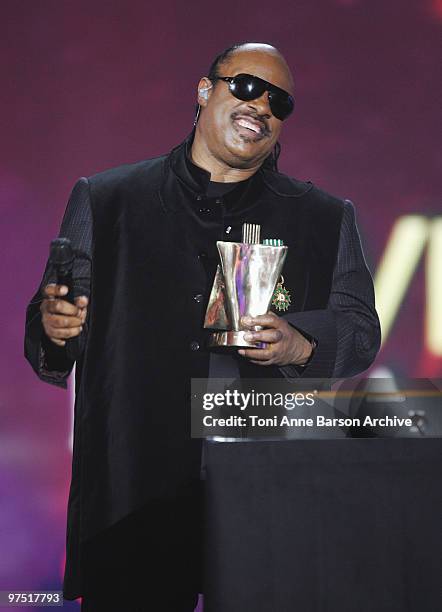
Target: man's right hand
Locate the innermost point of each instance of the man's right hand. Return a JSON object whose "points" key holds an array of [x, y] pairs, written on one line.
{"points": [[61, 319]]}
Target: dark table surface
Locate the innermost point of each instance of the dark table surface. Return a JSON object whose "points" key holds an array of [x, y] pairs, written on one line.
{"points": [[324, 526]]}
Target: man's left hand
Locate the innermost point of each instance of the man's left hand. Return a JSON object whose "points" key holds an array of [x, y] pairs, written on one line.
{"points": [[284, 345]]}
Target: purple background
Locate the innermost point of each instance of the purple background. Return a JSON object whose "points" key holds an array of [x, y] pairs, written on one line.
{"points": [[86, 86]]}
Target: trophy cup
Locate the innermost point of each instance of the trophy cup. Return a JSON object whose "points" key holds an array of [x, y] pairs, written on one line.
{"points": [[244, 285]]}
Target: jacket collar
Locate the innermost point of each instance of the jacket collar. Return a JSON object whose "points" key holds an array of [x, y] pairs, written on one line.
{"points": [[195, 181]]}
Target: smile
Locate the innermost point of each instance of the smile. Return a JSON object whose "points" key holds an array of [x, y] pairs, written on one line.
{"points": [[250, 125], [249, 128]]}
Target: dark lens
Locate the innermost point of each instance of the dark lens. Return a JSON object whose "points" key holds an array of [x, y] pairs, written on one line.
{"points": [[247, 87], [281, 103]]}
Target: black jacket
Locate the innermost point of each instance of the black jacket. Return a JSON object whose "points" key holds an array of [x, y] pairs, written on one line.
{"points": [[153, 250]]}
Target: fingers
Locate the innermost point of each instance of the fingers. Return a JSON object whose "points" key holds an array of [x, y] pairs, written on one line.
{"points": [[52, 290], [55, 305], [62, 320], [82, 316], [82, 301], [61, 327], [273, 334], [64, 333], [258, 356], [270, 319], [266, 335]]}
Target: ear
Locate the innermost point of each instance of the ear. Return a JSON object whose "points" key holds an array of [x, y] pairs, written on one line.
{"points": [[205, 86]]}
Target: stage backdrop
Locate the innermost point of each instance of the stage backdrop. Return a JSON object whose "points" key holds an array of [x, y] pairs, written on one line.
{"points": [[89, 85]]}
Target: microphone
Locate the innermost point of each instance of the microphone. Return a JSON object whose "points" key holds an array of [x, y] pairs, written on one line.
{"points": [[61, 257]]}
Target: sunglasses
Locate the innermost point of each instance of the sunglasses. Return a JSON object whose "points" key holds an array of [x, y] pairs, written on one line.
{"points": [[249, 87]]}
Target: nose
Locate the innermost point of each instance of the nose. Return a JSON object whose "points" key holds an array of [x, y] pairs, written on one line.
{"points": [[261, 105]]}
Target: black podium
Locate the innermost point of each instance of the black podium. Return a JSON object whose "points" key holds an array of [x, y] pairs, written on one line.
{"points": [[351, 525]]}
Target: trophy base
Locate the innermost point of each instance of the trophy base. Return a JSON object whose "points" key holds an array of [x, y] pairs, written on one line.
{"points": [[231, 339]]}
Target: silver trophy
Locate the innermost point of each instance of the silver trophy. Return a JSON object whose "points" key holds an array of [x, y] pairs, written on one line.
{"points": [[244, 285]]}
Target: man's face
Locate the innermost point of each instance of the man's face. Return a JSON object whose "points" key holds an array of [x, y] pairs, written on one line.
{"points": [[243, 133]]}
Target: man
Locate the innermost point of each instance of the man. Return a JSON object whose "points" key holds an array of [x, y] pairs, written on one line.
{"points": [[150, 230]]}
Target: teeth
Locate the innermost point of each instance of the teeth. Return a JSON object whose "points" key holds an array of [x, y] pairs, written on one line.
{"points": [[249, 125]]}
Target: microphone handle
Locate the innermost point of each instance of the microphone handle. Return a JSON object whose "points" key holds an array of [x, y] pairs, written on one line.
{"points": [[65, 278]]}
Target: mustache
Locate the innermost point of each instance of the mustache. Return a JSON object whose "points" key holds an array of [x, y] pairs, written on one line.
{"points": [[265, 130]]}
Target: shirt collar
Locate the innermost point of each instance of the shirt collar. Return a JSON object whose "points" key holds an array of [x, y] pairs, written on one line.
{"points": [[197, 175], [200, 176], [195, 180]]}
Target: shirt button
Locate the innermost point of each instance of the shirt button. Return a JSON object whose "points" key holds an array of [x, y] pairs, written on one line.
{"points": [[199, 198], [198, 297], [194, 346], [228, 229]]}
